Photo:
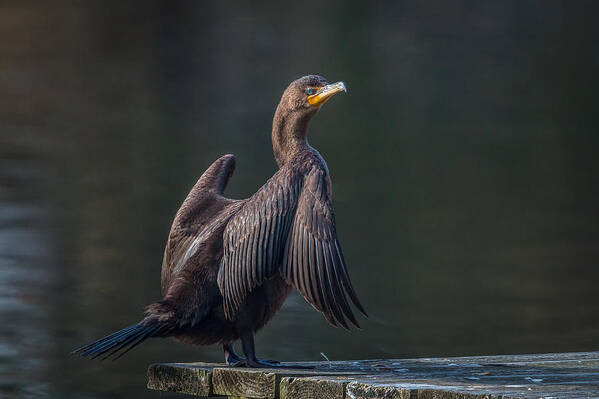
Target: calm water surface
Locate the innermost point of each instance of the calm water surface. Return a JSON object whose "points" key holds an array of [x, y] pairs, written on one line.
{"points": [[464, 162]]}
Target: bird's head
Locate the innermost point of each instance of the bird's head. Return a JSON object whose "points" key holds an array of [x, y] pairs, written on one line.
{"points": [[299, 103], [307, 94]]}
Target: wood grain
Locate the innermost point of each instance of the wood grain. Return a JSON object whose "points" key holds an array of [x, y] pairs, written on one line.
{"points": [[187, 379], [312, 387], [249, 383]]}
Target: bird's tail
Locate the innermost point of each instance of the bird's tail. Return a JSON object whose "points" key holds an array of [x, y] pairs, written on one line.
{"points": [[121, 342]]}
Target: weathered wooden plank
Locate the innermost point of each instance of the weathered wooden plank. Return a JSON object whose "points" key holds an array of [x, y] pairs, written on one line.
{"points": [[332, 387], [566, 359], [569, 375], [360, 390], [373, 387], [175, 377], [250, 383], [265, 383]]}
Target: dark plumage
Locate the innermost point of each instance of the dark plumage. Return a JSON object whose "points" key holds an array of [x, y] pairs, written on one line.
{"points": [[230, 264]]}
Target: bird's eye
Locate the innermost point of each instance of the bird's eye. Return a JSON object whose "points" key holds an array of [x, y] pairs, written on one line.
{"points": [[309, 91]]}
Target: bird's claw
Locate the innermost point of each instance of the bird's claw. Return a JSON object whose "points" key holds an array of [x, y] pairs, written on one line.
{"points": [[233, 360], [237, 363]]}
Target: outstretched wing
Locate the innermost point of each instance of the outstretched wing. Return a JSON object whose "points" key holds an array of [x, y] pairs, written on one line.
{"points": [[254, 240], [288, 227], [313, 260], [196, 217]]}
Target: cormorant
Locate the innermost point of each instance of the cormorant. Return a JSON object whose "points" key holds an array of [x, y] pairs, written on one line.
{"points": [[230, 264]]}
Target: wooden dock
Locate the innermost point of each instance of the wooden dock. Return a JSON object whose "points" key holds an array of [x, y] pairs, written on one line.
{"points": [[558, 375]]}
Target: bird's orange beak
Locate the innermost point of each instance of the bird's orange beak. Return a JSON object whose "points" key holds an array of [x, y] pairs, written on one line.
{"points": [[326, 92]]}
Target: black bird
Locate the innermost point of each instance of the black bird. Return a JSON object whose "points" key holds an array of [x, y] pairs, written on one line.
{"points": [[230, 264]]}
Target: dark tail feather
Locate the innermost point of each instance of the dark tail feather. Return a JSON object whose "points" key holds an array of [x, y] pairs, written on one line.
{"points": [[154, 332], [125, 339]]}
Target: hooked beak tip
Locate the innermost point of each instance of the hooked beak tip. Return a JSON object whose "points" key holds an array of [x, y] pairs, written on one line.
{"points": [[325, 93]]}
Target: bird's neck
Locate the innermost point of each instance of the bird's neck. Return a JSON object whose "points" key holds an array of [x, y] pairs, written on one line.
{"points": [[288, 135]]}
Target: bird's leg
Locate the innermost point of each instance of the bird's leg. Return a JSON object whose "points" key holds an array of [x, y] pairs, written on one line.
{"points": [[247, 343], [231, 357]]}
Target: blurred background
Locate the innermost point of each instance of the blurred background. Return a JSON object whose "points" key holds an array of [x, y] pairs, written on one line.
{"points": [[464, 163]]}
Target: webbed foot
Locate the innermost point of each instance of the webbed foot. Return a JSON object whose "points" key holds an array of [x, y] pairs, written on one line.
{"points": [[269, 364], [247, 342], [232, 358]]}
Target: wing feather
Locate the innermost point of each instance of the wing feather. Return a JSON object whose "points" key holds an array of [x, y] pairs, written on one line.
{"points": [[325, 306], [262, 225], [337, 295], [288, 227], [252, 252], [343, 303], [272, 227], [313, 272], [260, 246], [296, 262], [347, 281], [320, 274], [310, 272]]}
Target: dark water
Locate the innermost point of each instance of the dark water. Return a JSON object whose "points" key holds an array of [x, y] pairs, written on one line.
{"points": [[464, 160]]}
